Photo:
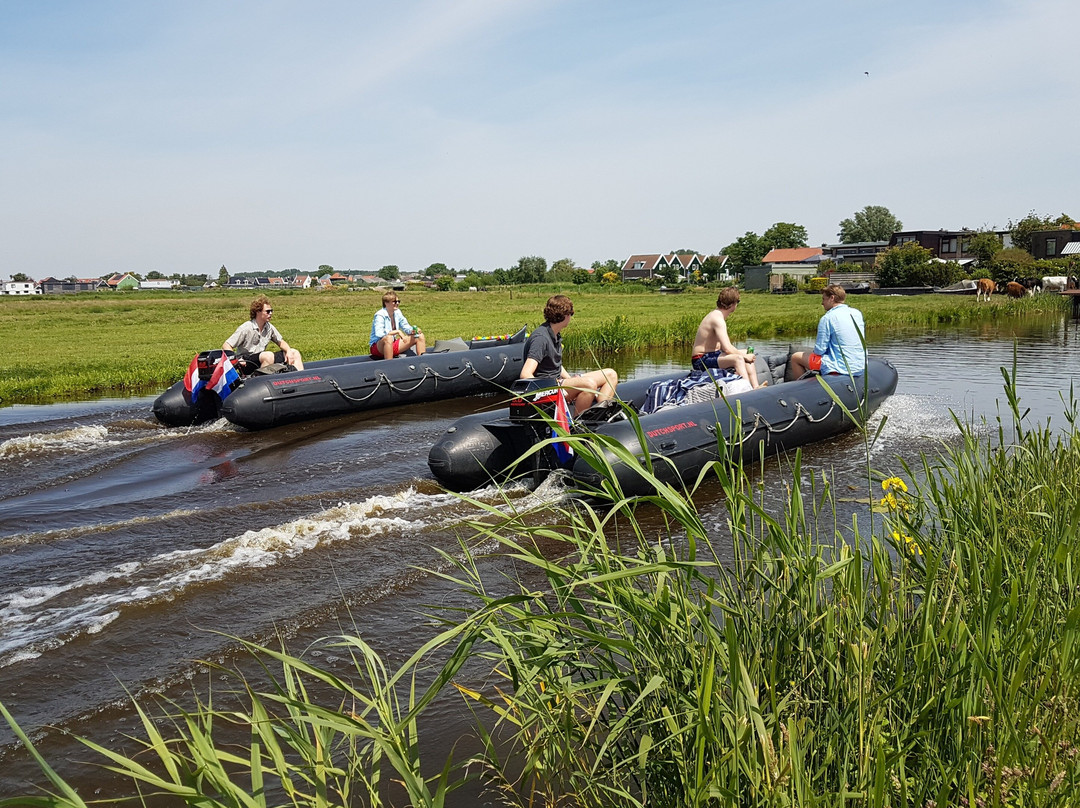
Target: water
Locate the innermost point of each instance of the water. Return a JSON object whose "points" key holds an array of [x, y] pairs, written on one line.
{"points": [[127, 549]]}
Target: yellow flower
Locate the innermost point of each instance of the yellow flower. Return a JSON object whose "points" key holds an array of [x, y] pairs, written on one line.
{"points": [[909, 543], [894, 482]]}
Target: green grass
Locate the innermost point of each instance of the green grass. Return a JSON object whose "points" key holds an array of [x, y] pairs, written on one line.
{"points": [[925, 654], [91, 344]]}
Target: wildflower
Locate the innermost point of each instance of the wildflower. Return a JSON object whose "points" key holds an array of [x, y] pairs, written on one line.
{"points": [[908, 543], [894, 482]]}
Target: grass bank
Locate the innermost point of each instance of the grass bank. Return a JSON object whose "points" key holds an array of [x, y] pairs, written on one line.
{"points": [[927, 653], [91, 344]]}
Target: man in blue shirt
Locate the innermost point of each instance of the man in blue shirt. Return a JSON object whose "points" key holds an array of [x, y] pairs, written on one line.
{"points": [[839, 346]]}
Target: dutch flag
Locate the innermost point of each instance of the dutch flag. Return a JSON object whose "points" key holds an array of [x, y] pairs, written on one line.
{"points": [[563, 450], [192, 383], [223, 376]]}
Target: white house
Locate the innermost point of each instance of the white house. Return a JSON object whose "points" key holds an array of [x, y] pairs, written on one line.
{"points": [[159, 283], [21, 288]]}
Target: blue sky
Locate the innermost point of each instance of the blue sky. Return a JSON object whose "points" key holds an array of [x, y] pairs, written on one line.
{"points": [[180, 136]]}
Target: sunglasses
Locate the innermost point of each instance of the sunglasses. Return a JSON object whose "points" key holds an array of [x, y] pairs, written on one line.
{"points": [[396, 302], [269, 311]]}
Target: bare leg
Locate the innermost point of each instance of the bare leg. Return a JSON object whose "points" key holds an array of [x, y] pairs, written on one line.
{"points": [[798, 365]]}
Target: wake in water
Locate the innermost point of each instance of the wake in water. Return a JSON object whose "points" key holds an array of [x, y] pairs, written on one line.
{"points": [[82, 439], [38, 618]]}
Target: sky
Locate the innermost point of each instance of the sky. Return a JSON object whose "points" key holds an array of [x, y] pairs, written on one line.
{"points": [[263, 135]]}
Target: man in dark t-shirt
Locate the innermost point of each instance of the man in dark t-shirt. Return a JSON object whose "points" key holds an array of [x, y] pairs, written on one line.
{"points": [[543, 359]]}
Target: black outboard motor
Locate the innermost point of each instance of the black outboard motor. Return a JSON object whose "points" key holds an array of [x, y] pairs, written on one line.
{"points": [[208, 360], [534, 407]]}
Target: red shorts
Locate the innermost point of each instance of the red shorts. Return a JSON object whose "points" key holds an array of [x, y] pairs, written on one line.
{"points": [[815, 362], [376, 351]]}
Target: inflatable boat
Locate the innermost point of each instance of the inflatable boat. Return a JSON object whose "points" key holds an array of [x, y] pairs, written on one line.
{"points": [[483, 448], [452, 368]]}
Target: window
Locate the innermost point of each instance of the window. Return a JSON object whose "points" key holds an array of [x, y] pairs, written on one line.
{"points": [[948, 245], [1051, 247], [904, 240]]}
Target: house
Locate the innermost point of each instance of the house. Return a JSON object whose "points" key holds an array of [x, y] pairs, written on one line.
{"points": [[796, 262], [860, 252], [645, 266], [52, 286], [301, 282], [20, 288], [948, 245], [337, 279], [277, 283], [1056, 243], [242, 282], [124, 281], [159, 283]]}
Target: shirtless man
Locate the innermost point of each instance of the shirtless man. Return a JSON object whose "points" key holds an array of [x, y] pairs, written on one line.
{"points": [[713, 347]]}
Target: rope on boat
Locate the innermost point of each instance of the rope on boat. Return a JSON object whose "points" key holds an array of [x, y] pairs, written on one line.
{"points": [[428, 371], [800, 410]]}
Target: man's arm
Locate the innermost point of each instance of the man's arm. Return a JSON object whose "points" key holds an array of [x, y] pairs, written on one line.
{"points": [[528, 369]]}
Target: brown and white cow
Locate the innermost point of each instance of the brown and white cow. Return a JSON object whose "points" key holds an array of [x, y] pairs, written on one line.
{"points": [[984, 287]]}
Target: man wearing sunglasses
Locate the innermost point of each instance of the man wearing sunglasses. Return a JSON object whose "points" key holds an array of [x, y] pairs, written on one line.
{"points": [[249, 341], [543, 359], [391, 334]]}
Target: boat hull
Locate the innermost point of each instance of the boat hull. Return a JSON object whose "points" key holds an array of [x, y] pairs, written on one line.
{"points": [[351, 384], [678, 442]]}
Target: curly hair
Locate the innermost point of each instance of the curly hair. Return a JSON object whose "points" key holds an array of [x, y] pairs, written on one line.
{"points": [[257, 304], [558, 306]]}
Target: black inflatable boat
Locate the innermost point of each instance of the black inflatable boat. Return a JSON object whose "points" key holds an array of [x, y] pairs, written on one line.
{"points": [[486, 447], [453, 368]]}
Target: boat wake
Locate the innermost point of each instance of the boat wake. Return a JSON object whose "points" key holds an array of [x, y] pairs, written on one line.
{"points": [[95, 437], [38, 618]]}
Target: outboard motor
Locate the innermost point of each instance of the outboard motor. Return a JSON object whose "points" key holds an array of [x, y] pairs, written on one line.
{"points": [[207, 361]]}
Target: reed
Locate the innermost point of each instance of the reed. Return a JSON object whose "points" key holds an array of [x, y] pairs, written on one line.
{"points": [[93, 344], [927, 653]]}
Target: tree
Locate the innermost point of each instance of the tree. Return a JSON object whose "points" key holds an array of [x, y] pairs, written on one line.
{"points": [[581, 276], [20, 277], [326, 269], [984, 246], [904, 265], [390, 272], [784, 236], [746, 251], [529, 269], [669, 274], [435, 270], [444, 282], [154, 275], [223, 276], [712, 268], [872, 223], [562, 270], [601, 268], [1023, 230]]}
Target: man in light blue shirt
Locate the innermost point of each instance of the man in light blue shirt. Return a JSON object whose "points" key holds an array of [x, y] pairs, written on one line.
{"points": [[839, 345]]}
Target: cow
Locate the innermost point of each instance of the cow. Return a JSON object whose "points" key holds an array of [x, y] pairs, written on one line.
{"points": [[1015, 289], [1055, 283], [984, 287], [1031, 284]]}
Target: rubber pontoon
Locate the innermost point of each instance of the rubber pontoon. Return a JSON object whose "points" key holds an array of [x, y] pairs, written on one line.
{"points": [[482, 448], [352, 384]]}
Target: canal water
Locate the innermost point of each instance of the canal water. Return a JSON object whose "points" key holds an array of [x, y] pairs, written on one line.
{"points": [[128, 549]]}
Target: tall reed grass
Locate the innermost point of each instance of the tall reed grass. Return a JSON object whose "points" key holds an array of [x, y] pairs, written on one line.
{"points": [[923, 654]]}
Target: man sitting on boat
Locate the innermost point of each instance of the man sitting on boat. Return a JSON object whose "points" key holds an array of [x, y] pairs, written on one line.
{"points": [[840, 345], [249, 341], [543, 360], [391, 334], [713, 349]]}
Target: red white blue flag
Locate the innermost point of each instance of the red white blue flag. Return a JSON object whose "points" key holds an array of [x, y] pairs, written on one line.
{"points": [[563, 450], [192, 383], [223, 376]]}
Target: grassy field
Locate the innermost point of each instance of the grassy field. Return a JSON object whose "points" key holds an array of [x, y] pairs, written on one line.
{"points": [[90, 344]]}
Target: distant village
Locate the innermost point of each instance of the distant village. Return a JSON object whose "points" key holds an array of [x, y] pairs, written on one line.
{"points": [[673, 267]]}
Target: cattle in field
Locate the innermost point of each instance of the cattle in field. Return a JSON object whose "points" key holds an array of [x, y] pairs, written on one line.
{"points": [[1032, 285], [1059, 283], [1015, 290], [984, 287]]}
